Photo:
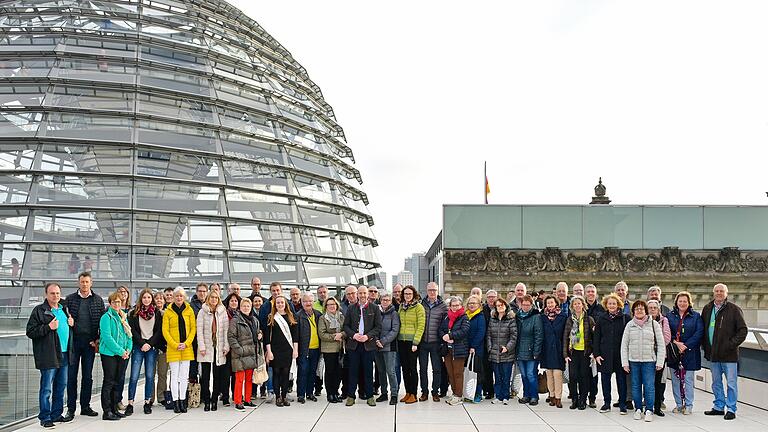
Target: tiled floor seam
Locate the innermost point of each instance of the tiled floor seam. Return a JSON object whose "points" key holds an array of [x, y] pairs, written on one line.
{"points": [[320, 417]]}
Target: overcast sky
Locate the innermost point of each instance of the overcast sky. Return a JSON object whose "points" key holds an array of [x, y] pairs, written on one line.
{"points": [[667, 101]]}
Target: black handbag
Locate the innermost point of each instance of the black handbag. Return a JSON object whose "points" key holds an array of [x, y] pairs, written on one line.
{"points": [[673, 354]]}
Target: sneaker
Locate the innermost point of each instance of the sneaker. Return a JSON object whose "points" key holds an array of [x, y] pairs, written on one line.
{"points": [[533, 402], [120, 406], [714, 412], [505, 401], [454, 400], [48, 424], [350, 401], [663, 406], [687, 410], [630, 405], [605, 408], [371, 401], [383, 398], [648, 416], [128, 410], [147, 408], [239, 407], [477, 399], [496, 401], [523, 400], [270, 398], [63, 419], [622, 411], [729, 415], [638, 415], [678, 410]]}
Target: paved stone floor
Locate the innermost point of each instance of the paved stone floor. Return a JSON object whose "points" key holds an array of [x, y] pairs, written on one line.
{"points": [[422, 416]]}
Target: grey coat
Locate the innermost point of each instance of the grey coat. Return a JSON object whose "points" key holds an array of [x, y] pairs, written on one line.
{"points": [[241, 342], [390, 328], [501, 332]]}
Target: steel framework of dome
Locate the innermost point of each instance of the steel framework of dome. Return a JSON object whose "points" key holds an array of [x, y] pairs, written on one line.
{"points": [[167, 142]]}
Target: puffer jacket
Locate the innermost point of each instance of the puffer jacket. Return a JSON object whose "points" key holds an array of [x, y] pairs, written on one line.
{"points": [[691, 331], [530, 336], [171, 333], [643, 343], [241, 342], [412, 323], [96, 309], [326, 333], [390, 328], [552, 351], [433, 317], [501, 332], [205, 337], [459, 333], [589, 325]]}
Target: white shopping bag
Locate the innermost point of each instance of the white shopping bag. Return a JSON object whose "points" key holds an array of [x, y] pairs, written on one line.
{"points": [[470, 378]]}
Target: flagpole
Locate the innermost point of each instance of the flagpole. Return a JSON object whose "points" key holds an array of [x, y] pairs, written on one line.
{"points": [[485, 181]]}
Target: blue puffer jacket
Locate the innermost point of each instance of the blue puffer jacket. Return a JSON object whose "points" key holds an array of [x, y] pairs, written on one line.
{"points": [[459, 334], [530, 336], [477, 334], [691, 332], [552, 354]]}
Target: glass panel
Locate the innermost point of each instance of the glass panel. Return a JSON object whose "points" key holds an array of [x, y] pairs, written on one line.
{"points": [[255, 205], [254, 176], [181, 34], [363, 249], [173, 263], [28, 42], [112, 25], [551, 226], [12, 262], [84, 191], [319, 242], [96, 70], [330, 274], [52, 262], [606, 226], [17, 156], [244, 147], [102, 48], [466, 226], [280, 238], [312, 188], [744, 227], [89, 127], [246, 122], [170, 230], [14, 189], [177, 136], [358, 225], [177, 81], [180, 108], [305, 139], [296, 113], [267, 266], [89, 159], [241, 95], [12, 224], [19, 124], [81, 226], [22, 95], [320, 215], [27, 67], [250, 76], [158, 163], [673, 226], [176, 197], [309, 162], [91, 98]]}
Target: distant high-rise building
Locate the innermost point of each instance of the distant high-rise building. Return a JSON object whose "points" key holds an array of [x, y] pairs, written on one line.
{"points": [[405, 278], [418, 266]]}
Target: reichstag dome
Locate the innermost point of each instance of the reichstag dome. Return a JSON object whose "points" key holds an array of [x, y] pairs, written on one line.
{"points": [[159, 143]]}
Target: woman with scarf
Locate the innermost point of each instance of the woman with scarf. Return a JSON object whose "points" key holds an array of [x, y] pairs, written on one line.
{"points": [[386, 352], [282, 339], [161, 364], [687, 330], [606, 347], [125, 307], [577, 350], [412, 322], [529, 364], [212, 349], [232, 307], [244, 338], [147, 330], [454, 333], [660, 382], [477, 328], [179, 328], [115, 346], [552, 360], [331, 341], [501, 340], [642, 354]]}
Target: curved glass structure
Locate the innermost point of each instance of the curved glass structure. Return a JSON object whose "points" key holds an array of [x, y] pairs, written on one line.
{"points": [[164, 142]]}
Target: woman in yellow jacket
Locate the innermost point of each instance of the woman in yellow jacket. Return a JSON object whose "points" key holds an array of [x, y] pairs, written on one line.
{"points": [[412, 323], [179, 331]]}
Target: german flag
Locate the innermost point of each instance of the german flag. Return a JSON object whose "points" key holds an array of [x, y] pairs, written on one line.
{"points": [[487, 185]]}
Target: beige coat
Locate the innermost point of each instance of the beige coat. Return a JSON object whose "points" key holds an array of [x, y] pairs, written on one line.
{"points": [[205, 338]]}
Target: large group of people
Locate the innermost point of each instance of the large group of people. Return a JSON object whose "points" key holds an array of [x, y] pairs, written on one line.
{"points": [[368, 343]]}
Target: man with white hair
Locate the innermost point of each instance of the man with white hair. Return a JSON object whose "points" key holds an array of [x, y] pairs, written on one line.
{"points": [[488, 391], [350, 298], [725, 331], [561, 292], [233, 288], [309, 348], [429, 348], [517, 300], [654, 293], [578, 289], [476, 291], [622, 290]]}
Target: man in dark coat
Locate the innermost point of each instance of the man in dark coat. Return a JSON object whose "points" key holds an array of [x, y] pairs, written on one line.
{"points": [[362, 327], [725, 330], [309, 348], [49, 327]]}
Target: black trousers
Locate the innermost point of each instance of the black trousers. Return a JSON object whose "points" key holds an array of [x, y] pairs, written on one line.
{"points": [[487, 377], [408, 364], [280, 378], [332, 373], [113, 367], [660, 387], [193, 364], [221, 376], [579, 374]]}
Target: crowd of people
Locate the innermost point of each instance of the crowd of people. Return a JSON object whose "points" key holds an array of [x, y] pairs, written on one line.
{"points": [[237, 348]]}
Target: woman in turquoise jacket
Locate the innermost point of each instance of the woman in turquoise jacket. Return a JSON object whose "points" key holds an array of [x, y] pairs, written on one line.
{"points": [[115, 346]]}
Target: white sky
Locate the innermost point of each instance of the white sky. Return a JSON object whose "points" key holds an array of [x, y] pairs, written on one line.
{"points": [[667, 101]]}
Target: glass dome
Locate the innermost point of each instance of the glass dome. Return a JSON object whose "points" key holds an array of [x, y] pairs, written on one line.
{"points": [[158, 143]]}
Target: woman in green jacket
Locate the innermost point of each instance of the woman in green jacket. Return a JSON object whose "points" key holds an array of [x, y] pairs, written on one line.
{"points": [[115, 346], [412, 322]]}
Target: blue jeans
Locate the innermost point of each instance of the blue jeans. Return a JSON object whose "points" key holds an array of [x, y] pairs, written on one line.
{"points": [[430, 353], [53, 381], [688, 383], [137, 357], [386, 365], [730, 370], [621, 386], [643, 388], [306, 369], [270, 388], [528, 369], [360, 358], [502, 373], [82, 354]]}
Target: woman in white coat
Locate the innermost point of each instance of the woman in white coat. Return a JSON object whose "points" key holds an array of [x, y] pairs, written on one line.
{"points": [[212, 349]]}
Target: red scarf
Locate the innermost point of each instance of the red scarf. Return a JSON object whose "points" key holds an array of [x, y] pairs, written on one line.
{"points": [[453, 315], [147, 312]]}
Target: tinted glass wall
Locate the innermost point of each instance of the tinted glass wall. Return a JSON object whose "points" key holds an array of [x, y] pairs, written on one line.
{"points": [[165, 142]]}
